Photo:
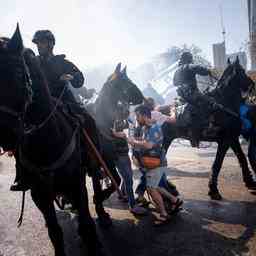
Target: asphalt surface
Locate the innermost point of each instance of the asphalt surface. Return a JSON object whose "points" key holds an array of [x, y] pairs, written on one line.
{"points": [[204, 227]]}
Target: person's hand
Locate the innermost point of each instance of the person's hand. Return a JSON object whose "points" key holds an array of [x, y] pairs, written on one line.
{"points": [[10, 153], [121, 135], [130, 141], [66, 77]]}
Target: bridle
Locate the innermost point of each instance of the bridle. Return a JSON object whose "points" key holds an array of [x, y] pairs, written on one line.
{"points": [[28, 128], [224, 81], [28, 94]]}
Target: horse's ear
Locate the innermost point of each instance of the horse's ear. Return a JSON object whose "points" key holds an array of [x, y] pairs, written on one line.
{"points": [[16, 44], [228, 61], [123, 72], [118, 68]]}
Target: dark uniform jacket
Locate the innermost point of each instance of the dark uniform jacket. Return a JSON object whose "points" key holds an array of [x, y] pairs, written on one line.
{"points": [[120, 144], [185, 79], [186, 75], [54, 68]]}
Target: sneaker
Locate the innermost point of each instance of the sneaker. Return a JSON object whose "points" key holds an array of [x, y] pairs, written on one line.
{"points": [[138, 210], [194, 143]]}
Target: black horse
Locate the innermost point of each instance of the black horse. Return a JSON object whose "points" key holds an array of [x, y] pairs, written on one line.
{"points": [[119, 92], [222, 126], [49, 144]]}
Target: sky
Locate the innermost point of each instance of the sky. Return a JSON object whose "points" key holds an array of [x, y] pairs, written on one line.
{"points": [[95, 32]]}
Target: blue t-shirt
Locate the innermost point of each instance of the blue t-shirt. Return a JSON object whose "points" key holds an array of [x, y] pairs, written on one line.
{"points": [[246, 123], [153, 134]]}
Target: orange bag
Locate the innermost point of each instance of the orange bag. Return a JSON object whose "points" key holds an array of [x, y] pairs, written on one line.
{"points": [[150, 162]]}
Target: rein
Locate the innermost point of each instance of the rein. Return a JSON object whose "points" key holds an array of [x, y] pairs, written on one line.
{"points": [[9, 111], [28, 165], [35, 128], [58, 163]]}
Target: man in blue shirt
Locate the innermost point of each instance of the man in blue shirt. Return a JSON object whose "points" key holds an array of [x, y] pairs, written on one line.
{"points": [[151, 144]]}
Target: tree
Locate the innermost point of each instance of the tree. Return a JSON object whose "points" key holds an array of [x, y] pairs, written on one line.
{"points": [[175, 53]]}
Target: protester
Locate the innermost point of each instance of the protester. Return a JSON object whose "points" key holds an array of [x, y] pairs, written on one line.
{"points": [[150, 148], [162, 120], [156, 115], [123, 162]]}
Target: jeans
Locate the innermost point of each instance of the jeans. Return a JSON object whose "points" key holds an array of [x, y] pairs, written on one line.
{"points": [[124, 167], [141, 188]]}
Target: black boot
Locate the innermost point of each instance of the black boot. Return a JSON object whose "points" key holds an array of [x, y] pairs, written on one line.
{"points": [[20, 185]]}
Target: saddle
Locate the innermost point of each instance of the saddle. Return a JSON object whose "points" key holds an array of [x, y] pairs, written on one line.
{"points": [[187, 115]]}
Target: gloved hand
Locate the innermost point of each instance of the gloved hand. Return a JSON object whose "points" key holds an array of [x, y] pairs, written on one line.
{"points": [[217, 106], [214, 104]]}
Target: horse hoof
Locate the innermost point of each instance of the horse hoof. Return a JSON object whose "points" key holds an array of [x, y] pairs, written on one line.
{"points": [[215, 195], [60, 254], [251, 185]]}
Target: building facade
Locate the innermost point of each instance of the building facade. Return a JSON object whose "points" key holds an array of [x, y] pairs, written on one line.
{"points": [[252, 30], [219, 55]]}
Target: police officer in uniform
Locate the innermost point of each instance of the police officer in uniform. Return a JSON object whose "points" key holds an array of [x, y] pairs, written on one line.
{"points": [[59, 72], [185, 80]]}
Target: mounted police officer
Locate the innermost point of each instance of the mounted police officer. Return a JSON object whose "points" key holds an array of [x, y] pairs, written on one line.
{"points": [[59, 73], [185, 80], [56, 68]]}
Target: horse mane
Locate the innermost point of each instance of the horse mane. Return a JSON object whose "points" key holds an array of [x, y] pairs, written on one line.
{"points": [[37, 75]]}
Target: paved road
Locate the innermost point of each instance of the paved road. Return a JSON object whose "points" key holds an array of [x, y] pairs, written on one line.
{"points": [[204, 228]]}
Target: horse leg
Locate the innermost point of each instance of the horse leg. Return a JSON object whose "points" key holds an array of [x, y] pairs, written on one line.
{"points": [[44, 202], [109, 191], [213, 182], [98, 198], [103, 217], [168, 132], [87, 227], [247, 175]]}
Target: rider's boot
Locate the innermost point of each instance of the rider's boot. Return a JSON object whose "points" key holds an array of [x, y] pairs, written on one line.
{"points": [[20, 185]]}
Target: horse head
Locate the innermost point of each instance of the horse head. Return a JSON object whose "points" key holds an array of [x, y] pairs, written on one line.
{"points": [[235, 75], [118, 90], [15, 82], [233, 83], [123, 88]]}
